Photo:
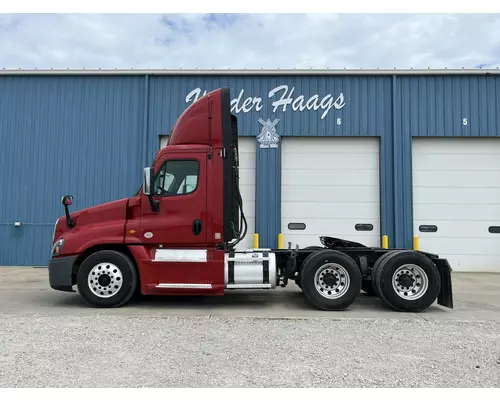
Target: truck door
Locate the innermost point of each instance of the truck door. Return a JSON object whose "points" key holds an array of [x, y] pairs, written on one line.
{"points": [[180, 188]]}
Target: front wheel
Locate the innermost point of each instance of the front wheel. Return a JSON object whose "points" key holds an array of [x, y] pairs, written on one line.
{"points": [[107, 278], [330, 280]]}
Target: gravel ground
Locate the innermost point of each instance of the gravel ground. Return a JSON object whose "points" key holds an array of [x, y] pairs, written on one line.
{"points": [[120, 351]]}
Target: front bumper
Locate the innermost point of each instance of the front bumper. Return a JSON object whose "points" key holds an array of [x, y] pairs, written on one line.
{"points": [[61, 273]]}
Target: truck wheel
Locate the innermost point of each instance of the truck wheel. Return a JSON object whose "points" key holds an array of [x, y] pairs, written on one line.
{"points": [[330, 280], [407, 281], [376, 267], [107, 278]]}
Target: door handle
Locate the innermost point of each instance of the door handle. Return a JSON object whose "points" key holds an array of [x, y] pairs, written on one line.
{"points": [[197, 226]]}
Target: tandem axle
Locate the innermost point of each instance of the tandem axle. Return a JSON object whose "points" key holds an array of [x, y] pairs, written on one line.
{"points": [[332, 276]]}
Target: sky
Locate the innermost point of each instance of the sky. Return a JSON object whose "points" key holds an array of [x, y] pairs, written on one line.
{"points": [[249, 41]]}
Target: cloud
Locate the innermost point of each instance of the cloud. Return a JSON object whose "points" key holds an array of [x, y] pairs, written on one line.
{"points": [[249, 41]]}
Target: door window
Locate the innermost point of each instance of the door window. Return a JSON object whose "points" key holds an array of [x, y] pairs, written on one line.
{"points": [[177, 177]]}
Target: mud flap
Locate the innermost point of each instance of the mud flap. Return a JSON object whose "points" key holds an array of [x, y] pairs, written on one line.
{"points": [[445, 297]]}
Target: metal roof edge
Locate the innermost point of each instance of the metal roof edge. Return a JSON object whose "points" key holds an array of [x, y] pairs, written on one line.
{"points": [[262, 71]]}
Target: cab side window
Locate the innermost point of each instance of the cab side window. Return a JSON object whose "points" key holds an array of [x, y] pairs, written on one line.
{"points": [[176, 178]]}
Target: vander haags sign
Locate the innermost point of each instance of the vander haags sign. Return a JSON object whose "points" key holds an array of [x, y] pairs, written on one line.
{"points": [[282, 98]]}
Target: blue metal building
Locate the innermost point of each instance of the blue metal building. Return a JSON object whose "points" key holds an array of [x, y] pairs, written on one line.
{"points": [[425, 143]]}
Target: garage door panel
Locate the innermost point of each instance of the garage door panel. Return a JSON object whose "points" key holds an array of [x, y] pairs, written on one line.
{"points": [[326, 162], [329, 210], [355, 194], [459, 162], [330, 185], [341, 227], [465, 262], [249, 210], [247, 163], [455, 212], [457, 229], [456, 145], [457, 246], [298, 177], [457, 188], [456, 195], [341, 146], [247, 149], [247, 193], [470, 179], [247, 176]]}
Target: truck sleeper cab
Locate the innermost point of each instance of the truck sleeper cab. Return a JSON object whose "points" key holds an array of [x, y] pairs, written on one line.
{"points": [[177, 236]]}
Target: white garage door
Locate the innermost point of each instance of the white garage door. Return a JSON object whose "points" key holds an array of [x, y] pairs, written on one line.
{"points": [[247, 150], [456, 196], [330, 187], [247, 147]]}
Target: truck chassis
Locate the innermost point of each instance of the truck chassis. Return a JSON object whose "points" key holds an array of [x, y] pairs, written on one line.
{"points": [[330, 276]]}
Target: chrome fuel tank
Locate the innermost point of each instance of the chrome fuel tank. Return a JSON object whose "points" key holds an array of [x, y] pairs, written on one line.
{"points": [[250, 269]]}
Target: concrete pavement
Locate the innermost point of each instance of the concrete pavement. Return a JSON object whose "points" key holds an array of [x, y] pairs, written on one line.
{"points": [[26, 291]]}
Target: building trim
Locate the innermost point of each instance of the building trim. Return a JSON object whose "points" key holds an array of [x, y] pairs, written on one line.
{"points": [[258, 72]]}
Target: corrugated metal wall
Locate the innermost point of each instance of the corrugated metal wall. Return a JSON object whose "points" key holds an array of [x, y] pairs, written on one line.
{"points": [[78, 135], [438, 105], [367, 100], [90, 136]]}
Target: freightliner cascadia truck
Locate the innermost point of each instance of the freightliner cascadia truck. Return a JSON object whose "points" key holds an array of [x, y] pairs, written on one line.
{"points": [[178, 234]]}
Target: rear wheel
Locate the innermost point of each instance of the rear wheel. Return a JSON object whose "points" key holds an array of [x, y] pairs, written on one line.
{"points": [[407, 281], [376, 267], [107, 278], [330, 280]]}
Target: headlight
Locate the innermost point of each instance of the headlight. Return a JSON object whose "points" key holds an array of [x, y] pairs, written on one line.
{"points": [[57, 248]]}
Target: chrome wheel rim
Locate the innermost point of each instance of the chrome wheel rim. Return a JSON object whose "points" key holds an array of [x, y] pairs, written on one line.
{"points": [[410, 282], [331, 281], [105, 280]]}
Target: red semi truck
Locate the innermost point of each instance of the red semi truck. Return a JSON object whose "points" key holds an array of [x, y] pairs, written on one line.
{"points": [[177, 236]]}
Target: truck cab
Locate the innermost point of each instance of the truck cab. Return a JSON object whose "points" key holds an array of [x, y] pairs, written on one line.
{"points": [[173, 233]]}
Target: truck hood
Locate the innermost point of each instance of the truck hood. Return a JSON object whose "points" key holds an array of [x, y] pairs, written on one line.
{"points": [[101, 214]]}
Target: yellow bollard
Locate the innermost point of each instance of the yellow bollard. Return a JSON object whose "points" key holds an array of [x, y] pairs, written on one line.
{"points": [[255, 240], [281, 241], [416, 243], [385, 242]]}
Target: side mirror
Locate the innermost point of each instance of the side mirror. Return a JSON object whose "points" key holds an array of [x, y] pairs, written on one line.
{"points": [[147, 181], [66, 201]]}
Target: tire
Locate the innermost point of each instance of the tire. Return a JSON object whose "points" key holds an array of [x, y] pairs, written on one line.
{"points": [[376, 267], [344, 280], [121, 280], [407, 281]]}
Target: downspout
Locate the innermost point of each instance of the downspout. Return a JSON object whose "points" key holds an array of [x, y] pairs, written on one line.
{"points": [[145, 133], [395, 240]]}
